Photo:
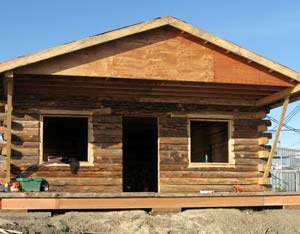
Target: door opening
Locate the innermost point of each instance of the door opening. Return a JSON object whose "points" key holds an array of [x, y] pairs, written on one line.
{"points": [[139, 154]]}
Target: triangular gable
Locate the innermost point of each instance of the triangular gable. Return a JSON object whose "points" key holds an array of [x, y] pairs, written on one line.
{"points": [[163, 53], [143, 27]]}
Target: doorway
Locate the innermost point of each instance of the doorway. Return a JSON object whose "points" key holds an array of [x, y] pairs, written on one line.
{"points": [[140, 154]]}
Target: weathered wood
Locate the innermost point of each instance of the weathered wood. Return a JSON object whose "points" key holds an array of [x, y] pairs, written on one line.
{"points": [[248, 161], [27, 135], [215, 188], [210, 174], [174, 140], [21, 124], [208, 181], [90, 175], [96, 188], [249, 141], [83, 181], [9, 77], [249, 148]]}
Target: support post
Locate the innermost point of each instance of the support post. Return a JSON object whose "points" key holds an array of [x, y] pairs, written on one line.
{"points": [[8, 120], [276, 138]]}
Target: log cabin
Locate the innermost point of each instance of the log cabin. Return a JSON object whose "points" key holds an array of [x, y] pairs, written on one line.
{"points": [[160, 106]]}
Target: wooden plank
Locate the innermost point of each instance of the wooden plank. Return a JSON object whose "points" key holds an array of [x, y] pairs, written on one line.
{"points": [[276, 138], [136, 84], [278, 96], [80, 174], [88, 188], [164, 211], [35, 204], [9, 77], [249, 148], [80, 181], [208, 181], [46, 84], [184, 167], [161, 202], [174, 140], [129, 203], [209, 174]]}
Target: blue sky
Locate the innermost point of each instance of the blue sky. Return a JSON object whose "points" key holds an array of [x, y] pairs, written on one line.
{"points": [[269, 28]]}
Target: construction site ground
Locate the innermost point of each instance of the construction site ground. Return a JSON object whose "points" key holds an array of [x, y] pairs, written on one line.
{"points": [[140, 221]]}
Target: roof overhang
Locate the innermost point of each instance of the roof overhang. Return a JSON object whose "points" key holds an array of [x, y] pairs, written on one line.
{"points": [[272, 66]]}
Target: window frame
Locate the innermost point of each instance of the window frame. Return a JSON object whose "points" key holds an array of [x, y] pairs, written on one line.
{"points": [[231, 162], [68, 114]]}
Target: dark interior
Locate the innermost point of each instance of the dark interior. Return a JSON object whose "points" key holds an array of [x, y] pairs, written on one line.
{"points": [[209, 142], [65, 138], [139, 154]]}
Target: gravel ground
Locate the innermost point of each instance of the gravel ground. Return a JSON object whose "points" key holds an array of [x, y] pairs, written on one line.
{"points": [[191, 221]]}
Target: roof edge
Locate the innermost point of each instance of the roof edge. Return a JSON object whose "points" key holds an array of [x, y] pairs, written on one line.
{"points": [[142, 27]]}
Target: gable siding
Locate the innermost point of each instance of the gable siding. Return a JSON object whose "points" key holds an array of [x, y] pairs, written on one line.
{"points": [[159, 54]]}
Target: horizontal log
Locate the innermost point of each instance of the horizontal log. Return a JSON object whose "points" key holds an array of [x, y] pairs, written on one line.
{"points": [[81, 173], [108, 159], [262, 128], [249, 148], [106, 119], [108, 132], [263, 154], [247, 161], [107, 139], [65, 167], [167, 147], [27, 134], [215, 188], [80, 189], [209, 181], [263, 141], [83, 181], [195, 188], [261, 167], [174, 140], [246, 154], [180, 157], [245, 141], [184, 167], [173, 132], [97, 145], [249, 141], [209, 174], [21, 124], [20, 151], [16, 116], [21, 144], [253, 122], [111, 126], [107, 152]]}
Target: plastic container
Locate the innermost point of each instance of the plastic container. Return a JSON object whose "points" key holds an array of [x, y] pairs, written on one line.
{"points": [[30, 184]]}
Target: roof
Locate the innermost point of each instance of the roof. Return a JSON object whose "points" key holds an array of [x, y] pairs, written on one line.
{"points": [[142, 27]]}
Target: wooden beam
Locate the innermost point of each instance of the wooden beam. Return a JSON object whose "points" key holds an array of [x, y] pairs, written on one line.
{"points": [[277, 96], [161, 201], [276, 138], [9, 76]]}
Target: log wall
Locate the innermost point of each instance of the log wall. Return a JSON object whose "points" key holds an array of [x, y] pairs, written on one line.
{"points": [[105, 174], [178, 175]]}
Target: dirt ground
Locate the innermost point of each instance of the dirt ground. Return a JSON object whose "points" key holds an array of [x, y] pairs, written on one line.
{"points": [[215, 221]]}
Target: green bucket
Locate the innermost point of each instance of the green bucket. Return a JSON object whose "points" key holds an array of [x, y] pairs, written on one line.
{"points": [[30, 184]]}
